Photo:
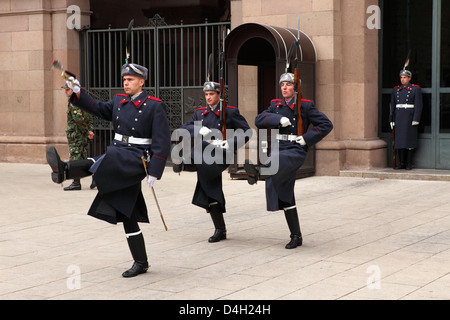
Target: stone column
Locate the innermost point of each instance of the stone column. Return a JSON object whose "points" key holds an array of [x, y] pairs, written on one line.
{"points": [[33, 106]]}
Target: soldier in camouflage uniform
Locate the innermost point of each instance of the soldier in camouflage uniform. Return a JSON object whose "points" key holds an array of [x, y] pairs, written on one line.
{"points": [[79, 131]]}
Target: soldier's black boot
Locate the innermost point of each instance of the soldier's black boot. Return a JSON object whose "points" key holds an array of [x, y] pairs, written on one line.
{"points": [[137, 247], [93, 183], [409, 154], [67, 170], [402, 158], [76, 185], [294, 227], [177, 168], [220, 232], [252, 172], [58, 167]]}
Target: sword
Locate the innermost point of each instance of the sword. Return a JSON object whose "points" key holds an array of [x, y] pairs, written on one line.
{"points": [[66, 74], [154, 194]]}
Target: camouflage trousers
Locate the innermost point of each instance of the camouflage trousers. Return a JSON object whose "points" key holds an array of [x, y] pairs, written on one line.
{"points": [[78, 151]]}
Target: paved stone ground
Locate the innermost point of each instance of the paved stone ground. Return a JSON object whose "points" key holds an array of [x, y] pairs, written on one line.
{"points": [[364, 238]]}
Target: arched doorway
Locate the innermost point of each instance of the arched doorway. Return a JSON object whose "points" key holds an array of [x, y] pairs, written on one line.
{"points": [[256, 56]]}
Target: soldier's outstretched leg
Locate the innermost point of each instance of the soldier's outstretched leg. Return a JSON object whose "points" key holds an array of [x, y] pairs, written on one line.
{"points": [[67, 170], [220, 232], [136, 244], [294, 227]]}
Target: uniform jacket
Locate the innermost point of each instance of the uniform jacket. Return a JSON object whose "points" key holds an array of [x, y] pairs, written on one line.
{"points": [[209, 176], [405, 133], [119, 172], [291, 155]]}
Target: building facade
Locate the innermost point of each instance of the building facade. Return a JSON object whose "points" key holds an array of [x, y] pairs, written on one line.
{"points": [[360, 47]]}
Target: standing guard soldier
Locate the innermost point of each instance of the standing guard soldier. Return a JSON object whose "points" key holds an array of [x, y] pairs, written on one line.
{"points": [[405, 113], [205, 124], [292, 151], [79, 131], [141, 128]]}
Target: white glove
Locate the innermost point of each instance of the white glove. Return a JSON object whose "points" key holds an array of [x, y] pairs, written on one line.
{"points": [[221, 144], [204, 131], [285, 122], [300, 141], [392, 125], [151, 181], [73, 84], [415, 123]]}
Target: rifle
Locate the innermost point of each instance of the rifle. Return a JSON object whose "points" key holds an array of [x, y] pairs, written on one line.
{"points": [[297, 88], [223, 101]]}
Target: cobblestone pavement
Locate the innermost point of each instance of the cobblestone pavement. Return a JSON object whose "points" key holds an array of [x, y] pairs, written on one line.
{"points": [[364, 238]]}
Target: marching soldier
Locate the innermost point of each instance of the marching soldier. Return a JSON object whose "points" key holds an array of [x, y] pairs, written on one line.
{"points": [[216, 156], [141, 128], [292, 151], [79, 131], [405, 113]]}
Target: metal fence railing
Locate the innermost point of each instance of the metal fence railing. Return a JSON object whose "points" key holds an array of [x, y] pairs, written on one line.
{"points": [[177, 59]]}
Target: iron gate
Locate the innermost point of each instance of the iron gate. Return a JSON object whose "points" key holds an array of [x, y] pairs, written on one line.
{"points": [[176, 56]]}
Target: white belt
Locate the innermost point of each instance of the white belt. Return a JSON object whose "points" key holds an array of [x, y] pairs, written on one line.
{"points": [[133, 140], [286, 137], [404, 106]]}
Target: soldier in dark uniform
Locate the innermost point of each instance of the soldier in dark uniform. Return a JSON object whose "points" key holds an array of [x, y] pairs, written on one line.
{"points": [[79, 131], [405, 113], [215, 154], [141, 128], [291, 154]]}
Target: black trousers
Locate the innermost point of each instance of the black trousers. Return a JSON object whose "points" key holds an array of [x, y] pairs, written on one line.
{"points": [[130, 225]]}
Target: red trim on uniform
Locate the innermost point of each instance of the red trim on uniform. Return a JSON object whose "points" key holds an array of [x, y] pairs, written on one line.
{"points": [[121, 94], [319, 132], [306, 100], [159, 157], [201, 108], [265, 119], [231, 107], [154, 98], [276, 99], [415, 85]]}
